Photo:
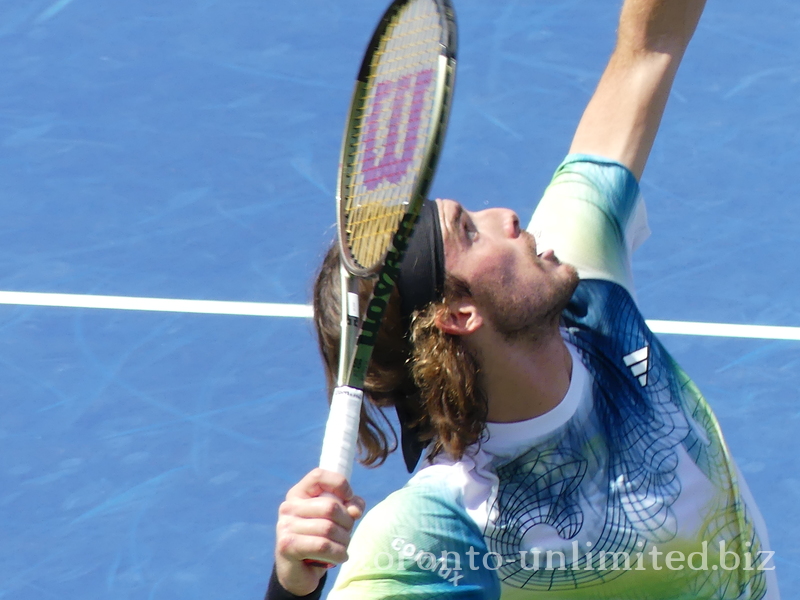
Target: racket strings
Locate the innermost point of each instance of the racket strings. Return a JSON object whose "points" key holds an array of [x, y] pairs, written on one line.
{"points": [[391, 131]]}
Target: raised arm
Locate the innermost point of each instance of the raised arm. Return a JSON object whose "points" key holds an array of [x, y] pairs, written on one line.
{"points": [[623, 116]]}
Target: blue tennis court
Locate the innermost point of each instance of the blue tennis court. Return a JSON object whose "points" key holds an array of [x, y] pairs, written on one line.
{"points": [[186, 151]]}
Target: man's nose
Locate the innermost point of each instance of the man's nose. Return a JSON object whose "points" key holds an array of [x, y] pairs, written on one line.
{"points": [[512, 224], [503, 219], [509, 222]]}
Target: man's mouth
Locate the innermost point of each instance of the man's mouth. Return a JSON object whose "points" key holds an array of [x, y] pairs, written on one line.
{"points": [[549, 256]]}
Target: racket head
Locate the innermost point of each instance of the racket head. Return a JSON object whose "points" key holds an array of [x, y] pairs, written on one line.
{"points": [[395, 128]]}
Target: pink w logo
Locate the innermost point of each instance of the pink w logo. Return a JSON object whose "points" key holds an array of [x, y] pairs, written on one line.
{"points": [[398, 153]]}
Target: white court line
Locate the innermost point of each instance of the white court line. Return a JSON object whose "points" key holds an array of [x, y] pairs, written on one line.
{"points": [[768, 332], [266, 309], [212, 307]]}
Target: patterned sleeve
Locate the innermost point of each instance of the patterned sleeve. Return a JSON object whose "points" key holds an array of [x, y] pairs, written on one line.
{"points": [[418, 543], [592, 216]]}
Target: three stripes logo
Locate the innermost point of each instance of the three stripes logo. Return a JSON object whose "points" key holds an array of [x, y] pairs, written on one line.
{"points": [[638, 363]]}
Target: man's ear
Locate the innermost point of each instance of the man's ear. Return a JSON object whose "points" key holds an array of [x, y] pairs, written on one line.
{"points": [[459, 317]]}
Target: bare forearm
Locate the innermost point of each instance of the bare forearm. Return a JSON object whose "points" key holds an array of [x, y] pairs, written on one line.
{"points": [[663, 26], [623, 116]]}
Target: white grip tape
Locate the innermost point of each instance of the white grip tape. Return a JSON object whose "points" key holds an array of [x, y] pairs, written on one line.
{"points": [[341, 431]]}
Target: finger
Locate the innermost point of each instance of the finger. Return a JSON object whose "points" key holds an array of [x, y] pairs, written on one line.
{"points": [[355, 507], [319, 481], [318, 508], [322, 528], [298, 547]]}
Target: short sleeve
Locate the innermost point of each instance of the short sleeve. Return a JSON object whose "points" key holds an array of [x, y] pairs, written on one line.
{"points": [[418, 543], [592, 216]]}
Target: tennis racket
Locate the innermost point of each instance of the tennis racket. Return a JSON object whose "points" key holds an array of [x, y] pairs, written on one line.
{"points": [[392, 139]]}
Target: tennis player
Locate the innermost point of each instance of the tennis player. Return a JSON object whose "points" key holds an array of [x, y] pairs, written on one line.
{"points": [[564, 454]]}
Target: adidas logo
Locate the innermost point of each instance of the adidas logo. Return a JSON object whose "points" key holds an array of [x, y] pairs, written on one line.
{"points": [[638, 364]]}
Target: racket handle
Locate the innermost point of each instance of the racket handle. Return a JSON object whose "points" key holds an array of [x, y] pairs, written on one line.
{"points": [[341, 431], [341, 439]]}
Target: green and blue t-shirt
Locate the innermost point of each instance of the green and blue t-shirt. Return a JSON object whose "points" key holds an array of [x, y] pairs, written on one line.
{"points": [[625, 490]]}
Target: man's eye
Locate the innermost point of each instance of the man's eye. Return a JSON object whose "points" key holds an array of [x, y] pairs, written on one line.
{"points": [[469, 231]]}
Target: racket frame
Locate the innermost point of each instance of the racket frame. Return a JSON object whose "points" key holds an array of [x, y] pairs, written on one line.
{"points": [[359, 331]]}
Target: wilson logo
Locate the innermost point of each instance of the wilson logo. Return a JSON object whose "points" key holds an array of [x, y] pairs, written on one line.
{"points": [[390, 140]]}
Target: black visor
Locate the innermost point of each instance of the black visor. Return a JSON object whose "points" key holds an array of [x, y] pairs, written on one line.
{"points": [[421, 282], [421, 279]]}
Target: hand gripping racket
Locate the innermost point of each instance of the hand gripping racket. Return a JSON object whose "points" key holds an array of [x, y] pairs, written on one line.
{"points": [[392, 140]]}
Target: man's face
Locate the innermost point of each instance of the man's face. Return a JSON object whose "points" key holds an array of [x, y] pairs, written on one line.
{"points": [[521, 291]]}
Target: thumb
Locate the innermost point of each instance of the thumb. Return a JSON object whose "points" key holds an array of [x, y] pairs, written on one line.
{"points": [[355, 507]]}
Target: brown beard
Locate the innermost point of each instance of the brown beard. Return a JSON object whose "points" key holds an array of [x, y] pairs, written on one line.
{"points": [[528, 318], [519, 316]]}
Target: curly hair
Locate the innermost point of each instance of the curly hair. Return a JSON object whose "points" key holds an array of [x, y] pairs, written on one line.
{"points": [[428, 375], [453, 407]]}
